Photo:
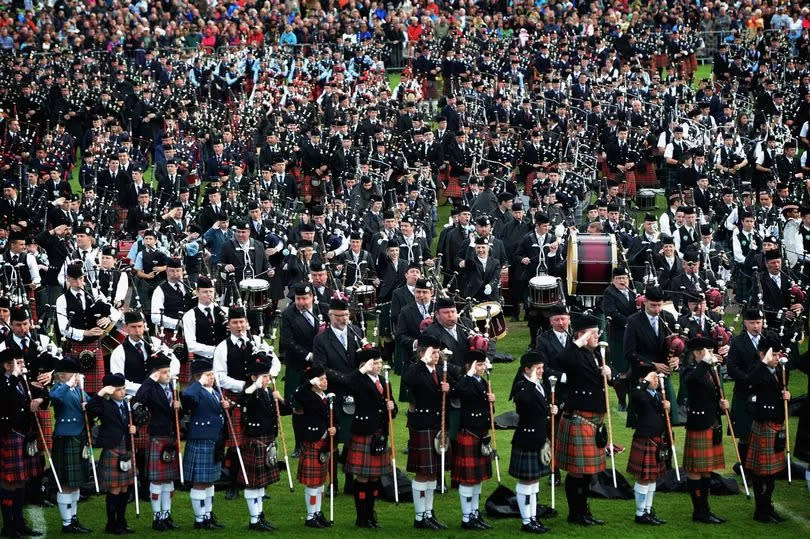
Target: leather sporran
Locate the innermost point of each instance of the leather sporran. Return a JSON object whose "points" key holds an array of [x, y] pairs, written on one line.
{"points": [[486, 445], [125, 461], [379, 443], [168, 453], [601, 436], [780, 442], [717, 435], [663, 452], [31, 447], [545, 453], [219, 451]]}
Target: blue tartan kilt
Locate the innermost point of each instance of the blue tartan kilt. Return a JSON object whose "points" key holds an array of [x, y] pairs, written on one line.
{"points": [[109, 472], [198, 462], [525, 464], [72, 469]]}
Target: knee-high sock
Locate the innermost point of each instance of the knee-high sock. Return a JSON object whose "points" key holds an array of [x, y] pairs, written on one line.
{"points": [[571, 495], [419, 489], [209, 500], [74, 507], [155, 492], [313, 500], [166, 498], [253, 497], [64, 500], [431, 489], [696, 493], [465, 493], [122, 506], [198, 496], [807, 477], [524, 501], [360, 500], [648, 500], [18, 506], [111, 504], [641, 497], [7, 506], [535, 492], [476, 497]]}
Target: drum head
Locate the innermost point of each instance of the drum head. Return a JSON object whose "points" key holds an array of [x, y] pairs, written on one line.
{"points": [[479, 312], [363, 289], [543, 282], [254, 285], [571, 263]]}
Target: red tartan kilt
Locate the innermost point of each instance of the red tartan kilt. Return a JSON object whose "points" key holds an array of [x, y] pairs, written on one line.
{"points": [[157, 470], [185, 373], [236, 420], [32, 304], [362, 463], [311, 471], [761, 457], [452, 188], [693, 65], [142, 438], [576, 450], [648, 178], [93, 378], [470, 467], [700, 455], [44, 418], [18, 467], [110, 475], [259, 474], [659, 60], [422, 456], [122, 217], [529, 182], [630, 186], [643, 463], [305, 188]]}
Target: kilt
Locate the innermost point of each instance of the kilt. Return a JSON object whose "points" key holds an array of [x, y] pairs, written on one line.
{"points": [[525, 464], [32, 303], [761, 457], [73, 470], [18, 466], [361, 462], [293, 378], [741, 418], [311, 471], [259, 474], [385, 320], [742, 287], [646, 175], [618, 360], [453, 188], [142, 438], [122, 217], [305, 188], [157, 470], [470, 467], [576, 450], [643, 462], [422, 457], [44, 417], [184, 377], [92, 378], [198, 462], [700, 455], [110, 475], [236, 420]]}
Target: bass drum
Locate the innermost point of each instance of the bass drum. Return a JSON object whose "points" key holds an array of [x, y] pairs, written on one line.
{"points": [[591, 259]]}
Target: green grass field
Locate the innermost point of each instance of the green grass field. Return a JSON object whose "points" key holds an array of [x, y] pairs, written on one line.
{"points": [[287, 509]]}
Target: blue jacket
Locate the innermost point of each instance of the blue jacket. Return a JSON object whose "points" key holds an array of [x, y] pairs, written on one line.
{"points": [[215, 238], [207, 418], [67, 404]]}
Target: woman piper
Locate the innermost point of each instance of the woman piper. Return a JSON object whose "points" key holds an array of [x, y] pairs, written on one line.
{"points": [[703, 449], [260, 423], [313, 464], [648, 456], [69, 443], [534, 417], [472, 461], [117, 466], [369, 457]]}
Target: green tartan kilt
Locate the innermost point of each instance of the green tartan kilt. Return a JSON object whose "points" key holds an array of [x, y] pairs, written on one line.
{"points": [[73, 470], [618, 361], [741, 418], [293, 378], [385, 320]]}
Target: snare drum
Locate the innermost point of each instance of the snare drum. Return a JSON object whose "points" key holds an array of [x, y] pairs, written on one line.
{"points": [[591, 259], [497, 322], [193, 180], [645, 199], [363, 296], [110, 340], [255, 293], [544, 291]]}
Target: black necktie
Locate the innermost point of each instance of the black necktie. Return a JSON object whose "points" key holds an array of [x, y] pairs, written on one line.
{"points": [[24, 344], [139, 348], [209, 316]]}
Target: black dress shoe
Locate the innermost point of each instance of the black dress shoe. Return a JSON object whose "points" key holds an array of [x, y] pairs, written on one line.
{"points": [[313, 522], [425, 524], [266, 522], [545, 511], [595, 521], [472, 525], [169, 523], [28, 532], [651, 512], [8, 532], [647, 519], [78, 525], [215, 525], [123, 529], [70, 529], [363, 523], [204, 525], [706, 519], [322, 519], [373, 520], [773, 514], [717, 517], [481, 521], [765, 518], [436, 522], [539, 526], [231, 493], [259, 526], [581, 520], [159, 525]]}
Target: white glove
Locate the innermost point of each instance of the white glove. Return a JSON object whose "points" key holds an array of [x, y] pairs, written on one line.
{"points": [[367, 367], [275, 367], [427, 356], [471, 372], [488, 290], [650, 377], [768, 356], [18, 369], [309, 357], [72, 381], [605, 371], [533, 375], [250, 389]]}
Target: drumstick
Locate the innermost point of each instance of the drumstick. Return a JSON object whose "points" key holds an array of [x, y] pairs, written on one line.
{"points": [[134, 463], [661, 377], [731, 430], [89, 437], [391, 435], [177, 433], [552, 381], [492, 430], [604, 346], [784, 361], [283, 441], [42, 436]]}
